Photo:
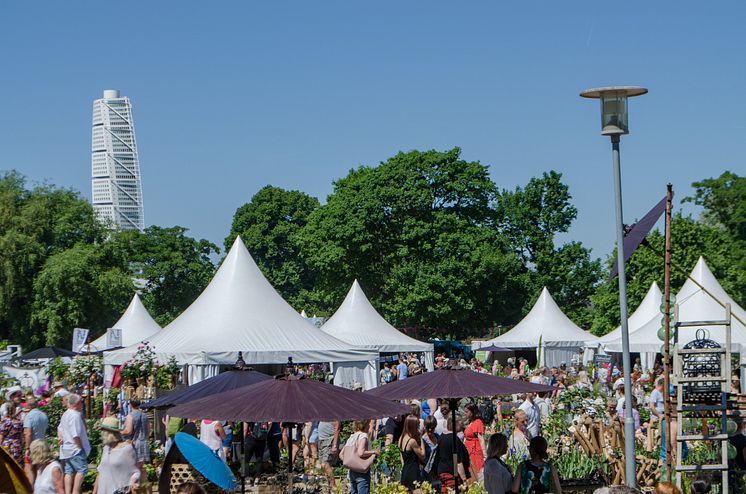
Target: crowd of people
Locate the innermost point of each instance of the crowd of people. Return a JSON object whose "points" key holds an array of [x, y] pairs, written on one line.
{"points": [[25, 436], [499, 441]]}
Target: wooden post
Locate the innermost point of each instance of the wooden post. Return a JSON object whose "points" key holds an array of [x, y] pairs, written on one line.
{"points": [[667, 331]]}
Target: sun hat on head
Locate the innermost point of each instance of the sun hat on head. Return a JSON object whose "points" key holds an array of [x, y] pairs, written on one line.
{"points": [[57, 384], [110, 424], [11, 391]]}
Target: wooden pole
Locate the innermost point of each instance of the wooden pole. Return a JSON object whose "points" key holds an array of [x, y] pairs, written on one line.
{"points": [[667, 331]]}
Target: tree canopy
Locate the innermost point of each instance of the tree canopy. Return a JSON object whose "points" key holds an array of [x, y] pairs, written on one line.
{"points": [[53, 277], [60, 268], [171, 268], [418, 232], [269, 225], [531, 217], [437, 247]]}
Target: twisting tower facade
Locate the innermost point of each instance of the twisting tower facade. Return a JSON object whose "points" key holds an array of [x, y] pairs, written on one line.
{"points": [[115, 167]]}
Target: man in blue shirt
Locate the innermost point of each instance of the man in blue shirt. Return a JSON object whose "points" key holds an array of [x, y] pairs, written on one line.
{"points": [[34, 427], [402, 369]]}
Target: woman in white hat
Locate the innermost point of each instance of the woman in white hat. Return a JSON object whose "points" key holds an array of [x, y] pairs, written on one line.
{"points": [[117, 471]]}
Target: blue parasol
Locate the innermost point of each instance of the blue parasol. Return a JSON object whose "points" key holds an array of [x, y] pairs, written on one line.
{"points": [[205, 461]]}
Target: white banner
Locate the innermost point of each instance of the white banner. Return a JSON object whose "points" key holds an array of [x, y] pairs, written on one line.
{"points": [[30, 377], [80, 336], [113, 338]]}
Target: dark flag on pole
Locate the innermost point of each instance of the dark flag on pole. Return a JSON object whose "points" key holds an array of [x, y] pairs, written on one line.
{"points": [[635, 234]]}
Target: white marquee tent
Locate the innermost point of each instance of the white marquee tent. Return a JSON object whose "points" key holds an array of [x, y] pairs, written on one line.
{"points": [[136, 325], [240, 311], [694, 305], [358, 323], [648, 309], [560, 337]]}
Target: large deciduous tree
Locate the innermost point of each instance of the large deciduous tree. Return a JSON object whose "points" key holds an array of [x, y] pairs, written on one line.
{"points": [[173, 267], [38, 226], [531, 217], [419, 233], [724, 202], [76, 288], [269, 225]]}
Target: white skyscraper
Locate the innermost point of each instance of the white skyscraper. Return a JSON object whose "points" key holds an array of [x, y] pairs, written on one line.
{"points": [[115, 177]]}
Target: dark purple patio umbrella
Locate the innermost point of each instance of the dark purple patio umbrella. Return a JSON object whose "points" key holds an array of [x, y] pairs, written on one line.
{"points": [[454, 383], [226, 381], [289, 399]]}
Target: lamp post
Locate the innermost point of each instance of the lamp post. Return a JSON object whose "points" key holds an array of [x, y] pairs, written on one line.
{"points": [[614, 123]]}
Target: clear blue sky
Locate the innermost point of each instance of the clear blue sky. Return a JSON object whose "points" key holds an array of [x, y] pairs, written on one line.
{"points": [[231, 96]]}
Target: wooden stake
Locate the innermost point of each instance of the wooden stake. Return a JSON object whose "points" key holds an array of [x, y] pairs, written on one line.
{"points": [[667, 330]]}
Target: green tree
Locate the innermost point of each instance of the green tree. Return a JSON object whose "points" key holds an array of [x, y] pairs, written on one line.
{"points": [[76, 289], [418, 232], [690, 239], [724, 203], [269, 225], [173, 267], [35, 223], [531, 217]]}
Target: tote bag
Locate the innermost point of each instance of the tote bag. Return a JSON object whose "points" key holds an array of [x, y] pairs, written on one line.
{"points": [[350, 458]]}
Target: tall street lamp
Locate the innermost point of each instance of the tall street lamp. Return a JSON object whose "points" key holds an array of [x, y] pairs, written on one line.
{"points": [[614, 123]]}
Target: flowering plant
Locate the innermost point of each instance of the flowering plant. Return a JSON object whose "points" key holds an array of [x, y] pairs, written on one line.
{"points": [[167, 374], [142, 365], [83, 366]]}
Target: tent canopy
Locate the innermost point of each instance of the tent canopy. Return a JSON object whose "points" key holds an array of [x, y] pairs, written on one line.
{"points": [[240, 311], [694, 305], [358, 323], [546, 321], [649, 308], [136, 325]]}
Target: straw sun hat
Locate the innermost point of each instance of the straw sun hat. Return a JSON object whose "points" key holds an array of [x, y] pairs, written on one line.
{"points": [[110, 424]]}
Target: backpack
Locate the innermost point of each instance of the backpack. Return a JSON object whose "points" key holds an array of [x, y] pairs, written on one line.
{"points": [[260, 431], [387, 376], [486, 411]]}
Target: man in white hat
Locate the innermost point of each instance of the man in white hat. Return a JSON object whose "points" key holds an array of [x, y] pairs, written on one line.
{"points": [[59, 389], [12, 394]]}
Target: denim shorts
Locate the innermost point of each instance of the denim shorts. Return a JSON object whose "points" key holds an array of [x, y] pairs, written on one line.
{"points": [[77, 464]]}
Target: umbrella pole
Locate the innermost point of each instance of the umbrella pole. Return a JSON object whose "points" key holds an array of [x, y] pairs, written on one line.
{"points": [[290, 457], [453, 405], [242, 435]]}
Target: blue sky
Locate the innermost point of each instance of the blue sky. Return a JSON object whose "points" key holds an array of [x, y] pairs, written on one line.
{"points": [[231, 96]]}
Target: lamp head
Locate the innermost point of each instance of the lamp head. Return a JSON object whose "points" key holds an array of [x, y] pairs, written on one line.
{"points": [[614, 115]]}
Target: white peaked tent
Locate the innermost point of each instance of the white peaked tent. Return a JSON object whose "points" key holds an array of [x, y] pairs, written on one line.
{"points": [[649, 307], [358, 323], [648, 310], [560, 337], [694, 305], [240, 311], [136, 325]]}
